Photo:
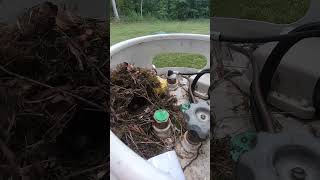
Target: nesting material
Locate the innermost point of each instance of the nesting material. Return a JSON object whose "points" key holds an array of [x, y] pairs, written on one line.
{"points": [[54, 96], [134, 99]]}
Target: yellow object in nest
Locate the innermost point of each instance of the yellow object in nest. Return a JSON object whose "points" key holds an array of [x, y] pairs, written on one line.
{"points": [[163, 86]]}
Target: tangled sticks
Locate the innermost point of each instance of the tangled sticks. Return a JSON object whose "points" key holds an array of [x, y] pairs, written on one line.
{"points": [[133, 103], [53, 96], [220, 159]]}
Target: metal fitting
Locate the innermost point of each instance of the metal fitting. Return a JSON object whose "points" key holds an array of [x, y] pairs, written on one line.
{"points": [[188, 145], [163, 133], [172, 80]]}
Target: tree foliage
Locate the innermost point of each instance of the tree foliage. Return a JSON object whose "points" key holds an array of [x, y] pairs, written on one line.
{"points": [[165, 9]]}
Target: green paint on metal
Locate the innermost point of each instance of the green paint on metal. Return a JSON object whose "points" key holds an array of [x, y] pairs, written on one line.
{"points": [[185, 107], [242, 143], [161, 115]]}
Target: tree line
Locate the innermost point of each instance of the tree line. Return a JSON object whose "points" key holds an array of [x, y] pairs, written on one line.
{"points": [[161, 9]]}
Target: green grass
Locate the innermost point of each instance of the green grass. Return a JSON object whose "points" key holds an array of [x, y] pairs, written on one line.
{"points": [[120, 31], [276, 11], [180, 60]]}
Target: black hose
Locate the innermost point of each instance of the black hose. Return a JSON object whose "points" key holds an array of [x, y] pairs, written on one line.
{"points": [[282, 37], [259, 107], [198, 76], [275, 57], [273, 61], [194, 82], [189, 74]]}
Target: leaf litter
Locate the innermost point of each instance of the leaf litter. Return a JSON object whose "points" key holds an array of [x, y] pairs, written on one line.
{"points": [[133, 103], [54, 91]]}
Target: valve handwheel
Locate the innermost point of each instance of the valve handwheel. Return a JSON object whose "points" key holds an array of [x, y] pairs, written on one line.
{"points": [[282, 156]]}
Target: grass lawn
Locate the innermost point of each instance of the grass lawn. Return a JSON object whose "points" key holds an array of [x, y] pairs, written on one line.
{"points": [[127, 30], [276, 11], [180, 60], [121, 31]]}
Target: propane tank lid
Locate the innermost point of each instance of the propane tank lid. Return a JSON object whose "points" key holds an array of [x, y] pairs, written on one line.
{"points": [[161, 115]]}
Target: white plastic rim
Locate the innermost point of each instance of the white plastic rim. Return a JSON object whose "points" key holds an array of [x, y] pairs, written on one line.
{"points": [[124, 163], [141, 51], [144, 39]]}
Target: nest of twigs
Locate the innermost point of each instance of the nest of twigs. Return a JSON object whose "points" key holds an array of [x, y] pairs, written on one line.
{"points": [[221, 163], [133, 102], [53, 96]]}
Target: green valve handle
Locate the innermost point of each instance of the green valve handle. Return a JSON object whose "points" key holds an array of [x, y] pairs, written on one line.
{"points": [[185, 107], [241, 144], [161, 116]]}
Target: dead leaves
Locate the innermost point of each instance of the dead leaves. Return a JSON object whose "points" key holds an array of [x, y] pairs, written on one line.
{"points": [[75, 50], [133, 102], [51, 57], [137, 129]]}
